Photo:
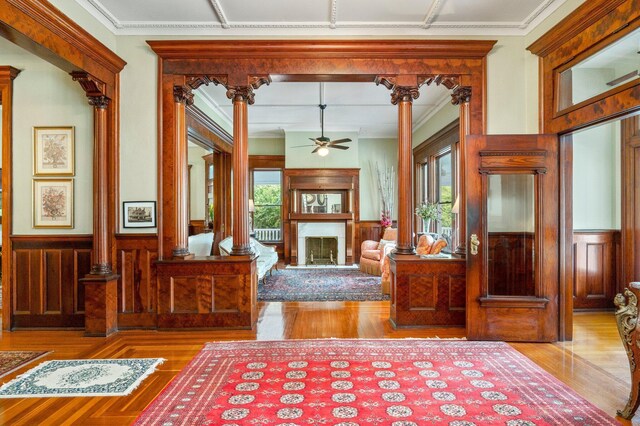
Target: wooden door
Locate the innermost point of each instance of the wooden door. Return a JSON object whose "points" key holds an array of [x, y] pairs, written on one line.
{"points": [[512, 231]]}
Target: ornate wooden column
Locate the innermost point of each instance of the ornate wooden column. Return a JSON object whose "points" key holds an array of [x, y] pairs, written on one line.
{"points": [[101, 313], [404, 89], [182, 96], [461, 96], [241, 97]]}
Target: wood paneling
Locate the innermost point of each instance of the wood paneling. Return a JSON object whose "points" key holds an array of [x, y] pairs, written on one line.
{"points": [[207, 292], [511, 264], [137, 286], [45, 285], [427, 291], [596, 260], [630, 257]]}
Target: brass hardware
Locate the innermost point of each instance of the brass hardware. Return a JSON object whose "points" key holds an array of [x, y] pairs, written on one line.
{"points": [[474, 244]]}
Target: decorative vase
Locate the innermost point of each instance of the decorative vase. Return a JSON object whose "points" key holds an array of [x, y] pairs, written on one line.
{"points": [[426, 223]]}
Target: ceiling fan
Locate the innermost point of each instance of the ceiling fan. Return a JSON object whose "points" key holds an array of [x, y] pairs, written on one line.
{"points": [[323, 143]]}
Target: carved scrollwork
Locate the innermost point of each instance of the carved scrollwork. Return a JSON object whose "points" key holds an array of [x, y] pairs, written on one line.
{"points": [[246, 93], [93, 88], [195, 81], [398, 93], [461, 95], [446, 80], [627, 319], [183, 95]]}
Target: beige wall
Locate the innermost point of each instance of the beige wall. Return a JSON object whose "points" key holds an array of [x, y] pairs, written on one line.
{"points": [[47, 96], [266, 146], [385, 153]]}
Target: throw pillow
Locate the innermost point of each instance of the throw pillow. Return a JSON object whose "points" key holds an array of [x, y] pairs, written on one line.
{"points": [[384, 243]]}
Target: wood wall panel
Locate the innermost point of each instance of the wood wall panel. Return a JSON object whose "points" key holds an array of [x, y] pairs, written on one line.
{"points": [[511, 264], [596, 268], [428, 291], [207, 292], [46, 280], [137, 287]]}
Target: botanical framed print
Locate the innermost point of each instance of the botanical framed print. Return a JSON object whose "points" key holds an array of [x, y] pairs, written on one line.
{"points": [[139, 214], [53, 151], [53, 203]]}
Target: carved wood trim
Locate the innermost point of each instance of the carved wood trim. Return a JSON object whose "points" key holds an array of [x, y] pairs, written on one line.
{"points": [[627, 321]]}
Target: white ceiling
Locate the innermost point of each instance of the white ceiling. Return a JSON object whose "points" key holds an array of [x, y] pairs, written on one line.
{"points": [[321, 17], [355, 107]]}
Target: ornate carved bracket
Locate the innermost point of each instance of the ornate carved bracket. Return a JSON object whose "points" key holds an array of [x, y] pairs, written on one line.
{"points": [[398, 93], [627, 320], [198, 80], [94, 89], [461, 95], [447, 80]]}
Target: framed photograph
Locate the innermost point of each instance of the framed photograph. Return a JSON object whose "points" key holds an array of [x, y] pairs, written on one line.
{"points": [[53, 151], [53, 203], [139, 214]]}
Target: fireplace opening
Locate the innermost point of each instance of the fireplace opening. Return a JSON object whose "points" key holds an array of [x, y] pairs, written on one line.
{"points": [[321, 250]]}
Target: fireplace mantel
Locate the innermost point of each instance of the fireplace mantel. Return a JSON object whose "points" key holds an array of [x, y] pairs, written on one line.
{"points": [[339, 189]]}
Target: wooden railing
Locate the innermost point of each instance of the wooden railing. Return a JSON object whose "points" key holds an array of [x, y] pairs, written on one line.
{"points": [[268, 234]]}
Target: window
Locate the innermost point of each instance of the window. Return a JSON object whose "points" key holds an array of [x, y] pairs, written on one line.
{"points": [[267, 200], [444, 191]]}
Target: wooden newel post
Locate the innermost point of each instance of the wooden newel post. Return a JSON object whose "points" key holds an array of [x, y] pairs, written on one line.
{"points": [[242, 96], [101, 311], [404, 90]]}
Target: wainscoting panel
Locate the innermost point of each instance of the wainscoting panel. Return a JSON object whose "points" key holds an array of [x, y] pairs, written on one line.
{"points": [[137, 286], [428, 291], [211, 293], [596, 263], [46, 273]]}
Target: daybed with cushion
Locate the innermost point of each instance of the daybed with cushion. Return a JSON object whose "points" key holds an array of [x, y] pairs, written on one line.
{"points": [[267, 255]]}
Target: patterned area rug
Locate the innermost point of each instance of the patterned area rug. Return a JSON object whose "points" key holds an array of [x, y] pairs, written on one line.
{"points": [[367, 382], [12, 360], [91, 377], [310, 285]]}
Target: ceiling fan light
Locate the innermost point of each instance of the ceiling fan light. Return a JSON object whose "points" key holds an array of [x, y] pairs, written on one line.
{"points": [[323, 151]]}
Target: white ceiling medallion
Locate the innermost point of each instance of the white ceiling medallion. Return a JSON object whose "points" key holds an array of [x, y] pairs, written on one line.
{"points": [[333, 26]]}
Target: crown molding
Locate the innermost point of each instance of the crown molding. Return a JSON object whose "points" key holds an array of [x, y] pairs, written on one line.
{"points": [[334, 27]]}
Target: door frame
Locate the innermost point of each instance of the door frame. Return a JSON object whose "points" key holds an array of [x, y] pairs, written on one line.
{"points": [[587, 30]]}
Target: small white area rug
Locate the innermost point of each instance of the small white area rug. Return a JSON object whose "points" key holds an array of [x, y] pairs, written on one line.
{"points": [[322, 267], [87, 377]]}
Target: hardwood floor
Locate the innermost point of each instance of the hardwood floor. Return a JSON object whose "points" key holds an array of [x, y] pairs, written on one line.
{"points": [[594, 364]]}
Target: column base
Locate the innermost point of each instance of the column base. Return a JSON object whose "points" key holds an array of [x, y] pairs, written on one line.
{"points": [[461, 250], [100, 304], [241, 250], [405, 250]]}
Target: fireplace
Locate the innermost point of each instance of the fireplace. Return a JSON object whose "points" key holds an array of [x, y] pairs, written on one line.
{"points": [[321, 250]]}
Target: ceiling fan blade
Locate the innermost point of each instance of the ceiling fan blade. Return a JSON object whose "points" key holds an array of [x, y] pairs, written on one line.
{"points": [[302, 146], [338, 147], [340, 141], [316, 150], [315, 140]]}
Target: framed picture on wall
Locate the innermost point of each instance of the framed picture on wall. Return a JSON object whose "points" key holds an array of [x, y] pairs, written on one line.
{"points": [[139, 214], [53, 151], [53, 203]]}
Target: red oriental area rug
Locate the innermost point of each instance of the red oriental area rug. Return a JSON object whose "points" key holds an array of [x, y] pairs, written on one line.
{"points": [[12, 360], [367, 382]]}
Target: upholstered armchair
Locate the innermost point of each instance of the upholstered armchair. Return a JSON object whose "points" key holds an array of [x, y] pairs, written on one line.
{"points": [[372, 253]]}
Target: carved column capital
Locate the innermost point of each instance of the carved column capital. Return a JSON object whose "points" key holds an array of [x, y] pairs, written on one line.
{"points": [[100, 102], [246, 93], [461, 95], [183, 95], [398, 93]]}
